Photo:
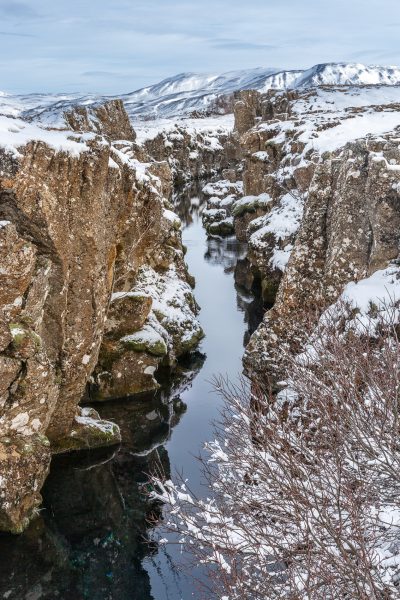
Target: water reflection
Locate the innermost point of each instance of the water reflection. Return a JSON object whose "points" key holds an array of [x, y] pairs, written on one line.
{"points": [[92, 538], [229, 298], [92, 534]]}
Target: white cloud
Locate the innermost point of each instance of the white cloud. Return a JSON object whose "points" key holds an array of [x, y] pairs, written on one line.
{"points": [[138, 42]]}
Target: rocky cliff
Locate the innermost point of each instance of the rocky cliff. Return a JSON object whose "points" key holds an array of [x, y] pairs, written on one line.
{"points": [[327, 164], [194, 148], [94, 291], [318, 204]]}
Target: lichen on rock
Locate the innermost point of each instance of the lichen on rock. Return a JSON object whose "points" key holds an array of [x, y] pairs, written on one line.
{"points": [[83, 210], [330, 162]]}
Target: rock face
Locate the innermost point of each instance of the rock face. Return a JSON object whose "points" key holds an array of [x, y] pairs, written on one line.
{"points": [[350, 229], [108, 119], [80, 218], [332, 171], [191, 152]]}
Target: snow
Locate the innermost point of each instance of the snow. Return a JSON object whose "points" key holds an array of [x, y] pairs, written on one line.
{"points": [[148, 130], [147, 336], [370, 123], [172, 218], [172, 301], [119, 295], [336, 74], [186, 93], [380, 288], [283, 221], [374, 296], [141, 169], [334, 100], [222, 188], [172, 321], [15, 133], [249, 203], [376, 299], [325, 120]]}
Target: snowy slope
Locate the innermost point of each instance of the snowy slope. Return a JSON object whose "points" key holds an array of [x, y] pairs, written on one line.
{"points": [[334, 74], [186, 93]]}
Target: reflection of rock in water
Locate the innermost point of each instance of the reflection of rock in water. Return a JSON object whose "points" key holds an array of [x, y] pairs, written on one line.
{"points": [[225, 251], [252, 306], [249, 297], [228, 252], [90, 539], [231, 254], [187, 201], [88, 543], [244, 276]]}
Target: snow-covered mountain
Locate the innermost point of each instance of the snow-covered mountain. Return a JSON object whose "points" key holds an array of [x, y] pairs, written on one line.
{"points": [[189, 93]]}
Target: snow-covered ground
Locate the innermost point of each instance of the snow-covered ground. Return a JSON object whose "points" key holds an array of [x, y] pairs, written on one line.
{"points": [[326, 120], [148, 130], [16, 133]]}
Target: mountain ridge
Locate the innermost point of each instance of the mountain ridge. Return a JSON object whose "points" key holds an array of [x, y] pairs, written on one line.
{"points": [[188, 93]]}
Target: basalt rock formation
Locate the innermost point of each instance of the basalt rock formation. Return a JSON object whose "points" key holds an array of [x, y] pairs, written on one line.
{"points": [[329, 162], [94, 290], [194, 153], [85, 222]]}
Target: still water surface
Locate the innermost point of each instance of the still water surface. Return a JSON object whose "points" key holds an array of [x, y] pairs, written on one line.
{"points": [[92, 540]]}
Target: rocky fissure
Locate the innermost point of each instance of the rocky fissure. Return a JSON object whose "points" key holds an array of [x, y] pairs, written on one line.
{"points": [[319, 206], [95, 295], [80, 228], [346, 227]]}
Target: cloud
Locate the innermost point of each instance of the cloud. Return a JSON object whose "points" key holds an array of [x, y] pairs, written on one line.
{"points": [[14, 34], [232, 44], [17, 9], [103, 74], [374, 55], [127, 44]]}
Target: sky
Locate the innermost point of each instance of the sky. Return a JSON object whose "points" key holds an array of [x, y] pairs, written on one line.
{"points": [[116, 46]]}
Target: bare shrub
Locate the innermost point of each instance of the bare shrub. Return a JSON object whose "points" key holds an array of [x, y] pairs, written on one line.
{"points": [[305, 485]]}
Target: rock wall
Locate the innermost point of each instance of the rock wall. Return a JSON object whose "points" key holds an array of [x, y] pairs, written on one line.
{"points": [[334, 210], [194, 154], [81, 218], [350, 230]]}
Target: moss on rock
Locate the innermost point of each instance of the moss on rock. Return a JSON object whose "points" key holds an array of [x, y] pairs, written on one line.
{"points": [[146, 340], [88, 431], [225, 227]]}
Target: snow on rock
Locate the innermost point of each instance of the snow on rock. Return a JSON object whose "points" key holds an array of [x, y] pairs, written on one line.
{"points": [[222, 188], [15, 133], [375, 298], [380, 289], [193, 148], [283, 222], [147, 339], [172, 218], [358, 126], [217, 216], [174, 307], [250, 204], [323, 121], [210, 127], [337, 150]]}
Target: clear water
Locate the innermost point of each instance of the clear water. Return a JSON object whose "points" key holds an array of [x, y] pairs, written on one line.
{"points": [[93, 538]]}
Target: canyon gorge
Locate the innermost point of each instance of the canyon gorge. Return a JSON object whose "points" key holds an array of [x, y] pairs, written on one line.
{"points": [[295, 195]]}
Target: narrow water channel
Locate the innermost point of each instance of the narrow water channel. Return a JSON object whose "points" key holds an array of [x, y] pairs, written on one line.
{"points": [[92, 540], [228, 314]]}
